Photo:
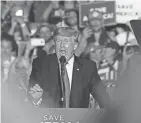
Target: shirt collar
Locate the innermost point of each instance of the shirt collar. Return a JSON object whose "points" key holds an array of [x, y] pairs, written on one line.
{"points": [[71, 61]]}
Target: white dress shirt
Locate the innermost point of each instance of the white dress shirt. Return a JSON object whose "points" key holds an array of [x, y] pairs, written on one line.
{"points": [[69, 68]]}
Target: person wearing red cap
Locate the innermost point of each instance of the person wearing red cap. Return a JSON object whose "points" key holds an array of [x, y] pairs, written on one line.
{"points": [[94, 32]]}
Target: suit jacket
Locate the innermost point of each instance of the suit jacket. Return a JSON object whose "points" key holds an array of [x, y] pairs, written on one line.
{"points": [[85, 80]]}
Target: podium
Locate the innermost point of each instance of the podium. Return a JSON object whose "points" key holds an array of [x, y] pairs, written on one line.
{"points": [[15, 111], [39, 115]]}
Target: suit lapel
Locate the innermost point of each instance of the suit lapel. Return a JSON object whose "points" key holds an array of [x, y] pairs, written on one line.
{"points": [[77, 79], [55, 78], [54, 69]]}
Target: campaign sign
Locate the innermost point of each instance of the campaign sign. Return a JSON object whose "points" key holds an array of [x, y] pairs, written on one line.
{"points": [[38, 115], [106, 8], [127, 10]]}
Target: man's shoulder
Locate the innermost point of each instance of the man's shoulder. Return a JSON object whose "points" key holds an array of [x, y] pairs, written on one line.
{"points": [[87, 62], [44, 57], [43, 60]]}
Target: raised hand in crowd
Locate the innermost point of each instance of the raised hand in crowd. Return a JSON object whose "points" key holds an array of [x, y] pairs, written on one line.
{"points": [[13, 26], [87, 32], [48, 10], [29, 48], [6, 8], [24, 28]]}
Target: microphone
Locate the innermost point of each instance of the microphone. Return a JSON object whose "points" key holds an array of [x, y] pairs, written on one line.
{"points": [[62, 60]]}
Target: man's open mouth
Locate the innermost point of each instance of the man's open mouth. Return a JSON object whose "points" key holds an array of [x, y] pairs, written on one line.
{"points": [[62, 51]]}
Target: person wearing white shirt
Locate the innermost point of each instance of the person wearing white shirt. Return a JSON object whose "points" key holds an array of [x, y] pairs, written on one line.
{"points": [[45, 80]]}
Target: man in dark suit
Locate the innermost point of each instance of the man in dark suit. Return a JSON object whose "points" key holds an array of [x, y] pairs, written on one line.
{"points": [[45, 85]]}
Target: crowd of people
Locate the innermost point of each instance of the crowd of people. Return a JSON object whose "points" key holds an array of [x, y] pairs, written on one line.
{"points": [[110, 47]]}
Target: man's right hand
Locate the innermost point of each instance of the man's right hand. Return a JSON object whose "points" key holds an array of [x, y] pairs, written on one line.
{"points": [[36, 92], [87, 32]]}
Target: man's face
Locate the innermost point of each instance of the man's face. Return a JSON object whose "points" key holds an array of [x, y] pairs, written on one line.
{"points": [[65, 46], [96, 55], [109, 53], [45, 33], [96, 25], [72, 18]]}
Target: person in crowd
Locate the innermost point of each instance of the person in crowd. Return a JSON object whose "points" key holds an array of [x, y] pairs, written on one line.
{"points": [[125, 35], [110, 54], [36, 13], [126, 96], [5, 12], [17, 77], [120, 28], [72, 18], [9, 51], [19, 29], [53, 13], [12, 88], [112, 32], [110, 67], [23, 6], [93, 33], [45, 84], [18, 9], [45, 31], [96, 27], [96, 54]]}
